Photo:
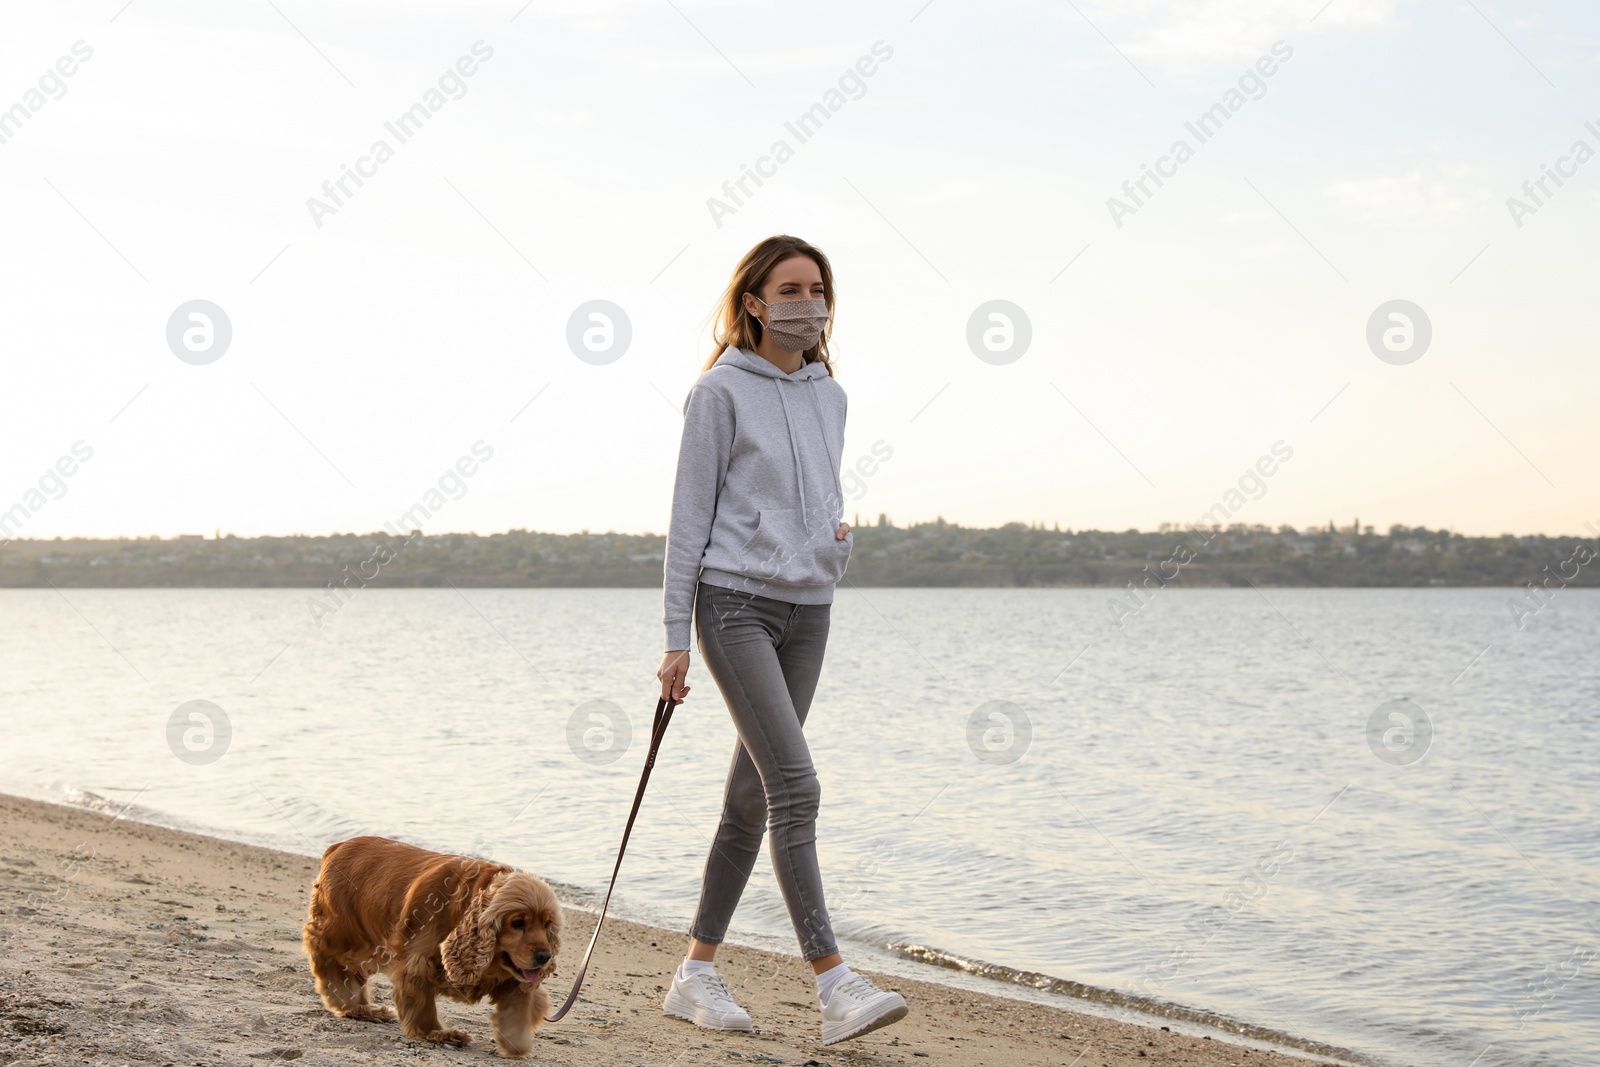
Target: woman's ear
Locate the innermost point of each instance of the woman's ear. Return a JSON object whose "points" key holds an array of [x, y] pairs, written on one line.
{"points": [[469, 948]]}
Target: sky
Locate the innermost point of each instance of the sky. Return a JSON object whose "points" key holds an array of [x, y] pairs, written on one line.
{"points": [[1332, 280]]}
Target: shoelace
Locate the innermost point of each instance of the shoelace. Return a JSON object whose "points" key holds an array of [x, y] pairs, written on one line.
{"points": [[719, 990], [857, 985]]}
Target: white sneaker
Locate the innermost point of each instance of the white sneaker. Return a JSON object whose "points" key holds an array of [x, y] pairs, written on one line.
{"points": [[704, 1000], [856, 1007]]}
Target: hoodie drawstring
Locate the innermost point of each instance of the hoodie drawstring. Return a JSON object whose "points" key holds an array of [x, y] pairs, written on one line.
{"points": [[794, 450], [833, 463]]}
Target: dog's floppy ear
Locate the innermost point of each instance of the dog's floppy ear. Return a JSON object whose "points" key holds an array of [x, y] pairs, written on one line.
{"points": [[469, 948]]}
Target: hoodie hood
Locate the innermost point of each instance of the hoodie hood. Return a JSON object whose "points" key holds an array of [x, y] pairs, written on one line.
{"points": [[745, 359], [756, 364]]}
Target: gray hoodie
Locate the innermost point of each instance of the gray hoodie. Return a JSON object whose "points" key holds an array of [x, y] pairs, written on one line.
{"points": [[757, 497]]}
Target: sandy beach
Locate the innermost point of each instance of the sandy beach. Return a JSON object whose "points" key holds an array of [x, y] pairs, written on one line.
{"points": [[125, 943]]}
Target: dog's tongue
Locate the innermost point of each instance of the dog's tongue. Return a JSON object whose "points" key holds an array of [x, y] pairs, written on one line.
{"points": [[529, 976]]}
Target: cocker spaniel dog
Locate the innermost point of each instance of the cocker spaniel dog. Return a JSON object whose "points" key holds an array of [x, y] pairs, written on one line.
{"points": [[438, 925]]}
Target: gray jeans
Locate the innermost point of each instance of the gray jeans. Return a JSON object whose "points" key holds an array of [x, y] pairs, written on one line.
{"points": [[765, 656]]}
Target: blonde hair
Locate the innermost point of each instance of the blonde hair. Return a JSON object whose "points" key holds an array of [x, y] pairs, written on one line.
{"points": [[734, 325]]}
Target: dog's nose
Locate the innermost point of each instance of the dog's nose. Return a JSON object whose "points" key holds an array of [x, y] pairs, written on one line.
{"points": [[541, 957]]}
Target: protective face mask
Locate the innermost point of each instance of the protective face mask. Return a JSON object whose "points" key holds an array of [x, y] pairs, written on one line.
{"points": [[796, 324]]}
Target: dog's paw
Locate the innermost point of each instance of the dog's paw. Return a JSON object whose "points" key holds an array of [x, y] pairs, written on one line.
{"points": [[513, 1051], [375, 1013], [449, 1037]]}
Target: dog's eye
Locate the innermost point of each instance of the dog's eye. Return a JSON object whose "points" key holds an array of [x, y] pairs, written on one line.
{"points": [[518, 924]]}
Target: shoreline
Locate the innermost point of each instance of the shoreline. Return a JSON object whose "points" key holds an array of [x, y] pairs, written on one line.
{"points": [[145, 944]]}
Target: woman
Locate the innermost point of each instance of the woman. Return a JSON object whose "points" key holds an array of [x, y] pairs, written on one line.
{"points": [[754, 550]]}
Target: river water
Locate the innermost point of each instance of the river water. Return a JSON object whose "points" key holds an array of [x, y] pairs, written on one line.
{"points": [[1358, 817]]}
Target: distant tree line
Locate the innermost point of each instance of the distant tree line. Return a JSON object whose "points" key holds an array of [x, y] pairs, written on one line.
{"points": [[934, 553]]}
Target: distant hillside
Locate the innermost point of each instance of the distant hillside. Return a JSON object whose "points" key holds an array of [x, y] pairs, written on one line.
{"points": [[927, 554]]}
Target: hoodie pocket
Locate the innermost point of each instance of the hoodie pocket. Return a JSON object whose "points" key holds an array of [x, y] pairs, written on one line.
{"points": [[834, 555], [782, 550], [769, 553]]}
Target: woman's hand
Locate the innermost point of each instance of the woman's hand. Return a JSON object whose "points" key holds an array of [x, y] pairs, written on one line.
{"points": [[842, 532], [673, 672]]}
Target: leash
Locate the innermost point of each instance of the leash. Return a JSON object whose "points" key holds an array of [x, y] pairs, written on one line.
{"points": [[657, 730]]}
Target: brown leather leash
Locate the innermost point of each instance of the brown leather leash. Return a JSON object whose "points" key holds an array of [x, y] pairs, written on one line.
{"points": [[658, 729]]}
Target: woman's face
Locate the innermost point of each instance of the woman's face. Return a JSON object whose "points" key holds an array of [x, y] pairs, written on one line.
{"points": [[795, 278]]}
